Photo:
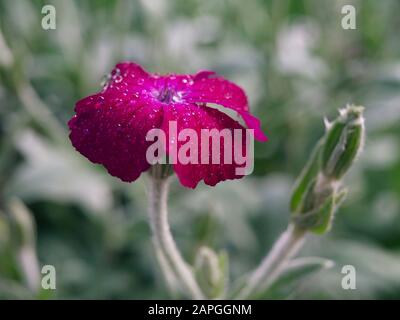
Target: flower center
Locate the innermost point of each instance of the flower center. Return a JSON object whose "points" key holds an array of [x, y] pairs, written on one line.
{"points": [[168, 95]]}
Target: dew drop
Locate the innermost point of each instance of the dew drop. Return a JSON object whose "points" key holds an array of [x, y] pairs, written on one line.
{"points": [[118, 79]]}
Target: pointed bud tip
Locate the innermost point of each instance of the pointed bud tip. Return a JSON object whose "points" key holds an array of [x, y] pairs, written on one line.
{"points": [[352, 113], [327, 124]]}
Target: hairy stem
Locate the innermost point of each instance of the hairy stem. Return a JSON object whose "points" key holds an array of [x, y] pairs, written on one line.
{"points": [[274, 263], [168, 274], [163, 239]]}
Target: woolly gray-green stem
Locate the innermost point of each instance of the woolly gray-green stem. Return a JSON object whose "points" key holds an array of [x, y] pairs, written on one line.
{"points": [[274, 263], [163, 239]]}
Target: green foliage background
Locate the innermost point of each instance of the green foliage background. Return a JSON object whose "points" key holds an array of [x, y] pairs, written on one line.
{"points": [[297, 65]]}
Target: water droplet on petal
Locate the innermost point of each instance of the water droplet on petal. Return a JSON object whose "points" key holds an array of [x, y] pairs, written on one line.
{"points": [[135, 95], [228, 95]]}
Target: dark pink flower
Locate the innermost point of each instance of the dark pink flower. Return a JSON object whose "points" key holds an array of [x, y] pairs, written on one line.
{"points": [[110, 127]]}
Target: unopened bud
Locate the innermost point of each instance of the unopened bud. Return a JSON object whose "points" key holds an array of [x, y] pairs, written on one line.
{"points": [[318, 192], [343, 142], [210, 271]]}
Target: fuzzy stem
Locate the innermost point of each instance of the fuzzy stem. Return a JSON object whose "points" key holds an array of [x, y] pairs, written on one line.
{"points": [[274, 263], [163, 239], [168, 274]]}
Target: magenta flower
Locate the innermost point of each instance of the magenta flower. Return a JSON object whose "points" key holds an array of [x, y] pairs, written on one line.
{"points": [[110, 127]]}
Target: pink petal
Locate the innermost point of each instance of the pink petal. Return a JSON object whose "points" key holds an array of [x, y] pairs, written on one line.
{"points": [[130, 72], [218, 90], [223, 92], [197, 118], [179, 82], [254, 123], [203, 74], [129, 80], [112, 132]]}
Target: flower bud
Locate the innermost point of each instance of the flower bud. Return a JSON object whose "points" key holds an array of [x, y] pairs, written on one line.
{"points": [[210, 271], [318, 219], [318, 192], [343, 142]]}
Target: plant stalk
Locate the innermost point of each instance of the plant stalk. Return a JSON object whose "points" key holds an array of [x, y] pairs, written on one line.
{"points": [[274, 263], [163, 239]]}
